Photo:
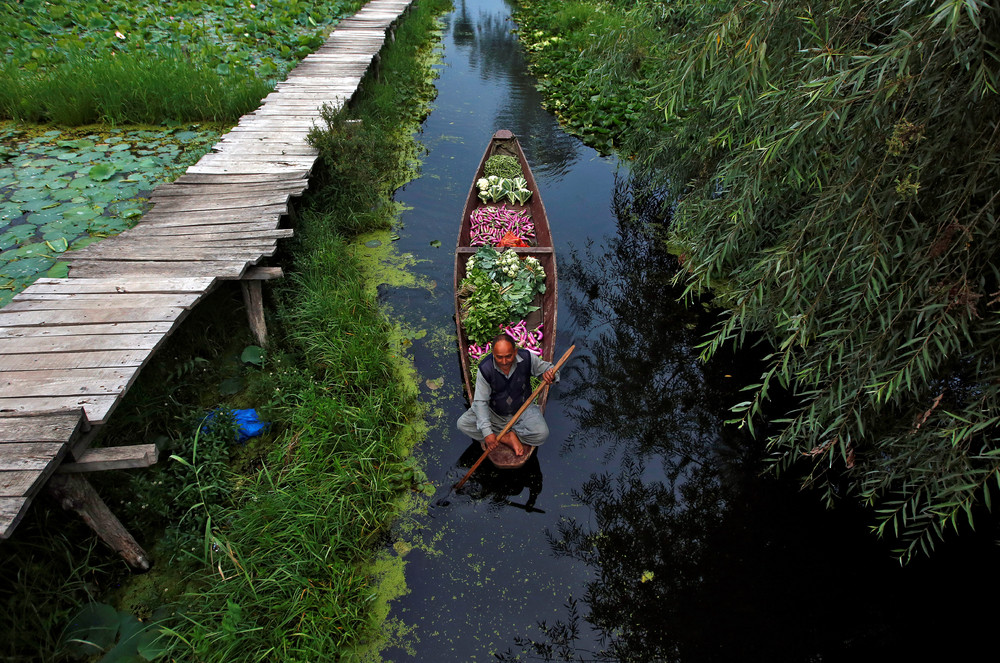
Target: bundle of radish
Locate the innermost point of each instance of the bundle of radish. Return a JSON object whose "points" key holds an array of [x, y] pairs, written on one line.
{"points": [[490, 224]]}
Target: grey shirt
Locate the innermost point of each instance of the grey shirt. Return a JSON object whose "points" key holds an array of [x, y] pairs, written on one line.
{"points": [[481, 399]]}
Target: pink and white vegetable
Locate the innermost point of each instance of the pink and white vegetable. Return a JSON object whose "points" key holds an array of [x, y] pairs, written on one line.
{"points": [[491, 223], [529, 340]]}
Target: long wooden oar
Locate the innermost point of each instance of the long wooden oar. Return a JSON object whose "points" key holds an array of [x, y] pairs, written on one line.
{"points": [[510, 424]]}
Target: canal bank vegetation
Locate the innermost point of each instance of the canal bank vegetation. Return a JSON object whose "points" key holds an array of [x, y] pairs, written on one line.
{"points": [[267, 550], [834, 168], [86, 61]]}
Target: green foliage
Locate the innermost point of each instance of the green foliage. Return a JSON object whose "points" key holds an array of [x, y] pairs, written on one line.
{"points": [[100, 629], [483, 309], [840, 163], [499, 289], [502, 165], [88, 60]]}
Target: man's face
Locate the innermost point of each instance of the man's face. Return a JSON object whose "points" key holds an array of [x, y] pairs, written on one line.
{"points": [[503, 355]]}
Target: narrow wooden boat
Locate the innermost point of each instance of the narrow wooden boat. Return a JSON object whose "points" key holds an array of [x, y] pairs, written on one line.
{"points": [[504, 142]]}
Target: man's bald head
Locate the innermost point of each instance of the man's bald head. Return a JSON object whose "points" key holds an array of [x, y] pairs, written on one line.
{"points": [[504, 337]]}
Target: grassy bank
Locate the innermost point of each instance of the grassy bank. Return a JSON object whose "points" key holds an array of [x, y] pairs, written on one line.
{"points": [[86, 61], [265, 551]]}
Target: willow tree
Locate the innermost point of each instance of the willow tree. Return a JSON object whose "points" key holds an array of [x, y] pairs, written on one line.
{"points": [[842, 186]]}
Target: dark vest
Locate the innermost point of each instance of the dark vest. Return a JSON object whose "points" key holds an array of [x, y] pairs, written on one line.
{"points": [[508, 394]]}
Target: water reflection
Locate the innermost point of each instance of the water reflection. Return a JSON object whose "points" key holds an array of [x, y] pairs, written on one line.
{"points": [[500, 486], [486, 39], [642, 390]]}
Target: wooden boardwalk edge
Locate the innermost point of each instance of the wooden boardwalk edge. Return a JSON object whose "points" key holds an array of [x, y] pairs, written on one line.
{"points": [[72, 347]]}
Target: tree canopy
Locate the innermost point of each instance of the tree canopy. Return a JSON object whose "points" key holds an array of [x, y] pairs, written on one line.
{"points": [[841, 182]]}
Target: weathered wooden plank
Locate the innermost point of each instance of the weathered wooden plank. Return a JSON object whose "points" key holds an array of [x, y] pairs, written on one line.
{"points": [[263, 274], [30, 456], [192, 220], [219, 269], [206, 229], [36, 301], [205, 199], [112, 252], [240, 241], [58, 382], [79, 343], [11, 511], [97, 408], [19, 483], [248, 169], [73, 360], [135, 285], [64, 426], [245, 204], [111, 329], [188, 178], [168, 190], [85, 317], [112, 458]]}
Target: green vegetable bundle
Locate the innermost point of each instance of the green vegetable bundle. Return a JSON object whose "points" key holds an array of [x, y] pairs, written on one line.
{"points": [[501, 165], [499, 289]]}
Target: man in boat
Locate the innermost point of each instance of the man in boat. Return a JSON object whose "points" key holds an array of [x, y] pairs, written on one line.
{"points": [[503, 384]]}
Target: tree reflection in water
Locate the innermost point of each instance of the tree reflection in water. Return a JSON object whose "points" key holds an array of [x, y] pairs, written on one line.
{"points": [[690, 552]]}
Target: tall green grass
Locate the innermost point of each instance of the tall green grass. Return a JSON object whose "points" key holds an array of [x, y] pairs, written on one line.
{"points": [[139, 87], [290, 575]]}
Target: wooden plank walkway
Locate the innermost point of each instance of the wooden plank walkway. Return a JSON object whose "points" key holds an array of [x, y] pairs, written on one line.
{"points": [[72, 347]]}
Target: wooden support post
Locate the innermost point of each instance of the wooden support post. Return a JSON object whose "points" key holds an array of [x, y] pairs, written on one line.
{"points": [[253, 298], [75, 493]]}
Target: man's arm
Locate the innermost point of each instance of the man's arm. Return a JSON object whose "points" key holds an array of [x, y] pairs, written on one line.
{"points": [[540, 367]]}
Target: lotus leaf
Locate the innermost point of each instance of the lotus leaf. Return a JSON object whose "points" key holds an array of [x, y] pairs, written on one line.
{"points": [[26, 267], [38, 205], [58, 245], [26, 251], [82, 212], [9, 211], [102, 172], [16, 235], [60, 270]]}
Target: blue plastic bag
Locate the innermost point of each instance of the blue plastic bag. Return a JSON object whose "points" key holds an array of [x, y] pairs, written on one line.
{"points": [[248, 423]]}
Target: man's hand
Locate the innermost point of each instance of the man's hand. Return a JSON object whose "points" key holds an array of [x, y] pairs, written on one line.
{"points": [[549, 376], [491, 441]]}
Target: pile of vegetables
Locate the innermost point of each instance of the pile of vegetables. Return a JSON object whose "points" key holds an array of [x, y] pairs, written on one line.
{"points": [[503, 166], [491, 223], [527, 339], [498, 289], [493, 189]]}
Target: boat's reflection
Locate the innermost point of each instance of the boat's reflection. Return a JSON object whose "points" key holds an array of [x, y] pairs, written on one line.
{"points": [[499, 486]]}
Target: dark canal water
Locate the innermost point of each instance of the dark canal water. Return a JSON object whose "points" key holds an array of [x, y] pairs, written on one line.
{"points": [[643, 532]]}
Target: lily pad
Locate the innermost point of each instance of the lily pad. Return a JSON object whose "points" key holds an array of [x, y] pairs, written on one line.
{"points": [[16, 235], [435, 243], [253, 354], [27, 267], [435, 384], [102, 172]]}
